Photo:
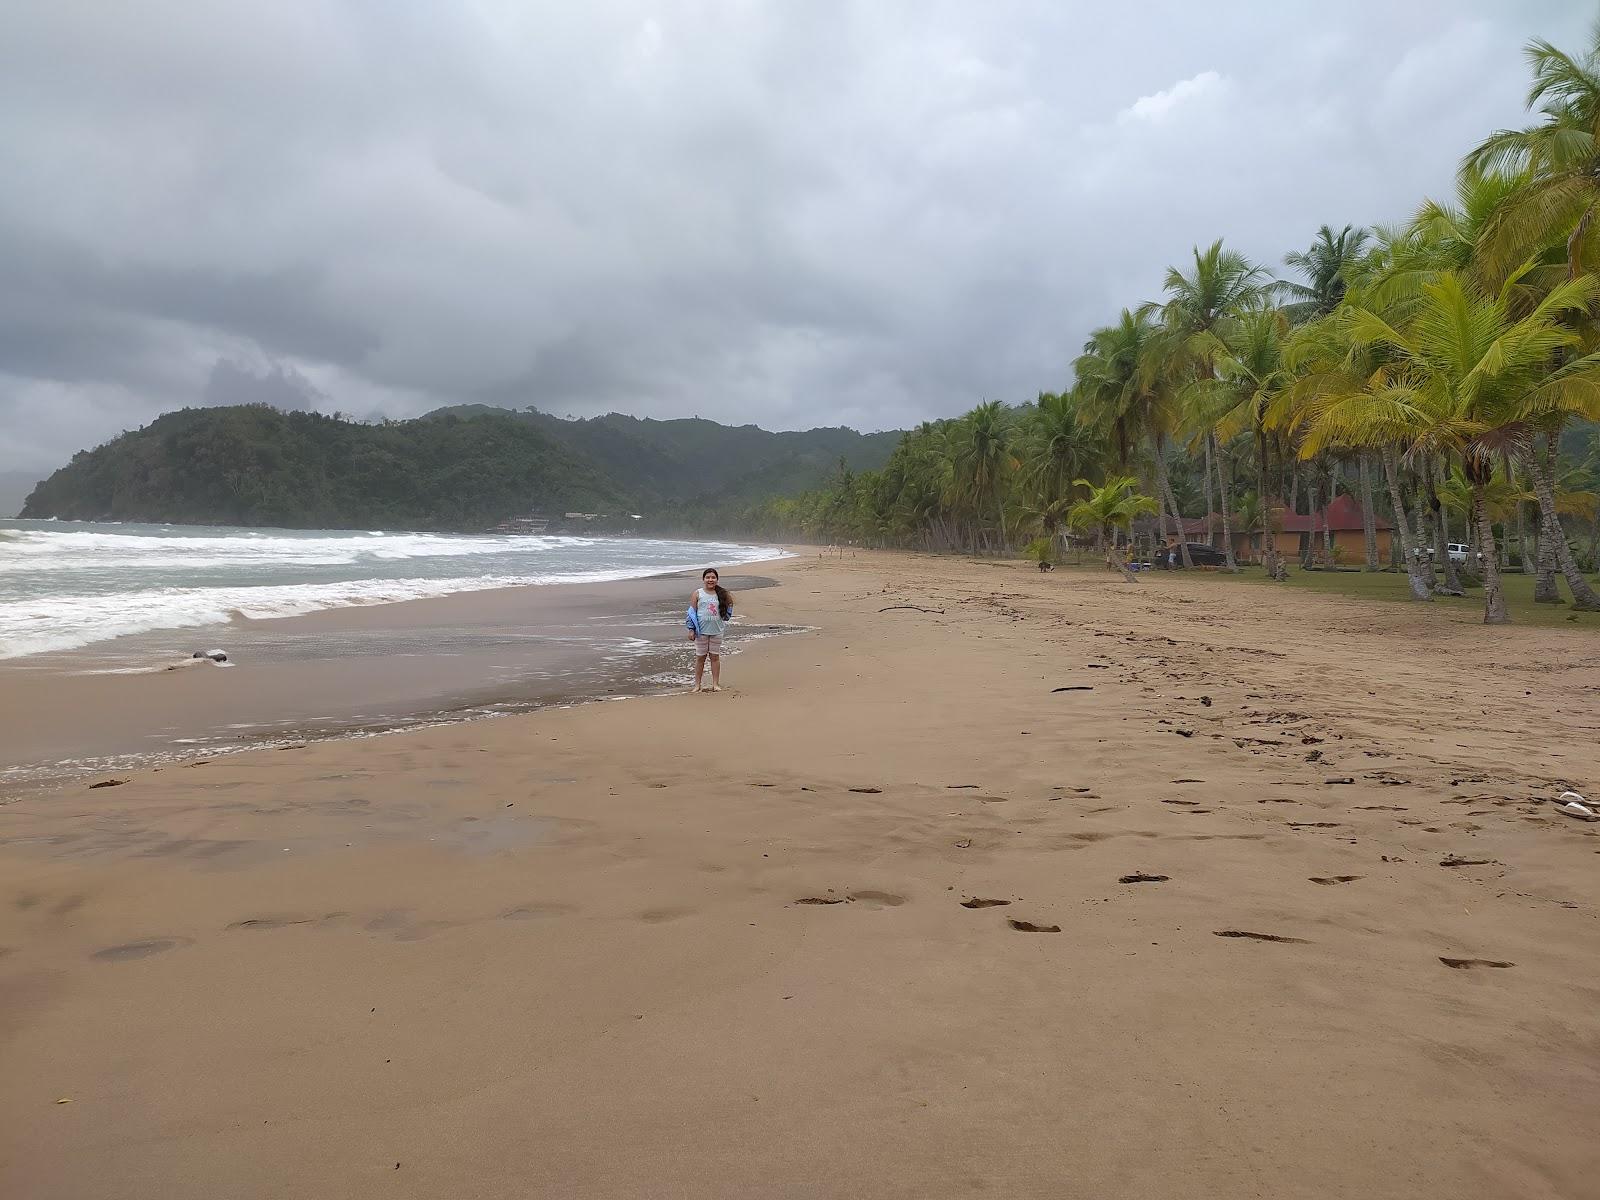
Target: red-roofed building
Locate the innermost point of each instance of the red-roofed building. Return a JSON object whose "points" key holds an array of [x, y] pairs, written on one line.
{"points": [[1299, 532]]}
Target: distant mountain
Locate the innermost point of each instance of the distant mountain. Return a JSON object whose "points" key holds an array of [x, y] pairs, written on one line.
{"points": [[699, 460], [254, 465], [464, 468], [14, 489]]}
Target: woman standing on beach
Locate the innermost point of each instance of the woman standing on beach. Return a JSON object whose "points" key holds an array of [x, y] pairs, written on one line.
{"points": [[713, 607]]}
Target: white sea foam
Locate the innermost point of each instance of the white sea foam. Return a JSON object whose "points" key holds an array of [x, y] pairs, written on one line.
{"points": [[66, 587]]}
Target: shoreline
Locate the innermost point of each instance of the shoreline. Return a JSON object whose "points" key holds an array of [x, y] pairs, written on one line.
{"points": [[348, 672], [1274, 900], [233, 591]]}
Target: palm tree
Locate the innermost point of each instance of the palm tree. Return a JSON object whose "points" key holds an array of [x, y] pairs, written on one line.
{"points": [[1220, 286], [1243, 398], [1061, 448], [1466, 376], [1114, 505], [1558, 162], [1559, 158], [1324, 264], [984, 462], [1125, 392]]}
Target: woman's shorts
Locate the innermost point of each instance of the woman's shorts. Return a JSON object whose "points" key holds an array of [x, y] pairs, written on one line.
{"points": [[704, 645]]}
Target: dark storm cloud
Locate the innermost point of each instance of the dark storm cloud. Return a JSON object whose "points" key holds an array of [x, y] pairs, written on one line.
{"points": [[871, 213]]}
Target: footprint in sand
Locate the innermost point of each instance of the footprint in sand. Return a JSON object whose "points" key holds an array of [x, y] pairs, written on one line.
{"points": [[1259, 937], [275, 922], [867, 899], [657, 916], [141, 949], [1141, 877], [402, 926], [1030, 927], [982, 902], [533, 912], [1326, 879], [1466, 964]]}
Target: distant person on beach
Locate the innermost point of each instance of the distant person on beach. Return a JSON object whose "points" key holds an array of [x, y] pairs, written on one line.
{"points": [[712, 607]]}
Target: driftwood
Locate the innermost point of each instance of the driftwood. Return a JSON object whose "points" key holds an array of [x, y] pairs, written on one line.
{"points": [[1116, 564], [914, 607]]}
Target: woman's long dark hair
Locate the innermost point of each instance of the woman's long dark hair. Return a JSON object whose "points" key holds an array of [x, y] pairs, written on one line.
{"points": [[724, 600]]}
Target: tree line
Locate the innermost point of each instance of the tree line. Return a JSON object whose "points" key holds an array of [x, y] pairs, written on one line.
{"points": [[255, 465], [1443, 370]]}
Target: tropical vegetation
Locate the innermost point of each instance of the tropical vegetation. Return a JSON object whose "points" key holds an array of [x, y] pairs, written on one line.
{"points": [[462, 468], [1443, 371]]}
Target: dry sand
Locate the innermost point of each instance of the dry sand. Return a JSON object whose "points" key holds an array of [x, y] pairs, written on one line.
{"points": [[571, 955]]}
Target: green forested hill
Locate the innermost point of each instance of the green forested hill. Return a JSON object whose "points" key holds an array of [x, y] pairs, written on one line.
{"points": [[459, 468], [692, 458], [254, 465]]}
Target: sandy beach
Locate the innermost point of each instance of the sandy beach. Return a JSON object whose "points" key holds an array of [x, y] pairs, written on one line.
{"points": [[992, 883]]}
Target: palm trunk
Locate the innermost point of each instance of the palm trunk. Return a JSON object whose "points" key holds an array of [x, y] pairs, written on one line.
{"points": [[1310, 556], [1369, 521], [1226, 503], [1451, 583], [1522, 537], [1421, 589], [1494, 599], [1551, 534], [1545, 589], [1268, 506], [1327, 524], [1164, 481], [1211, 530]]}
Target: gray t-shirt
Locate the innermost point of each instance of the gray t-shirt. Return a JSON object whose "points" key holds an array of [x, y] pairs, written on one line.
{"points": [[708, 613]]}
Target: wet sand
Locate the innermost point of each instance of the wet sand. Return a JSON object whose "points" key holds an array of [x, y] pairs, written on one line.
{"points": [[1277, 907], [142, 700]]}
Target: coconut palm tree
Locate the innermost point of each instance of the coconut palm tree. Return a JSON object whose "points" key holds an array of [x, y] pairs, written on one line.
{"points": [[1558, 163], [1559, 158], [984, 462], [1324, 264], [1252, 373], [1061, 446], [1200, 304], [1466, 375], [1112, 506], [1125, 391]]}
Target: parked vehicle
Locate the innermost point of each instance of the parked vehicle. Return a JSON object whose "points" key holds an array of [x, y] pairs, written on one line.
{"points": [[1200, 554], [1459, 552]]}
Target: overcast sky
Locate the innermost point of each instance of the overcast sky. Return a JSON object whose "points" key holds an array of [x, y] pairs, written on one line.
{"points": [[791, 214]]}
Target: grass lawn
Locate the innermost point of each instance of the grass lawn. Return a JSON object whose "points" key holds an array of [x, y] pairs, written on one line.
{"points": [[1391, 585]]}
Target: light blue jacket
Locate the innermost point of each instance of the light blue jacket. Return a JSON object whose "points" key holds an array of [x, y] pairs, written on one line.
{"points": [[691, 621]]}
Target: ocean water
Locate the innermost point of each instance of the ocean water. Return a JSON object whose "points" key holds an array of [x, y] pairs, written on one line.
{"points": [[69, 584]]}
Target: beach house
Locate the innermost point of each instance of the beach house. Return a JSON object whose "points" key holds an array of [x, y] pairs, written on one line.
{"points": [[1297, 533]]}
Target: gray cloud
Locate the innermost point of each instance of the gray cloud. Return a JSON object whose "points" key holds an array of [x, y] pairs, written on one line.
{"points": [[867, 212]]}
